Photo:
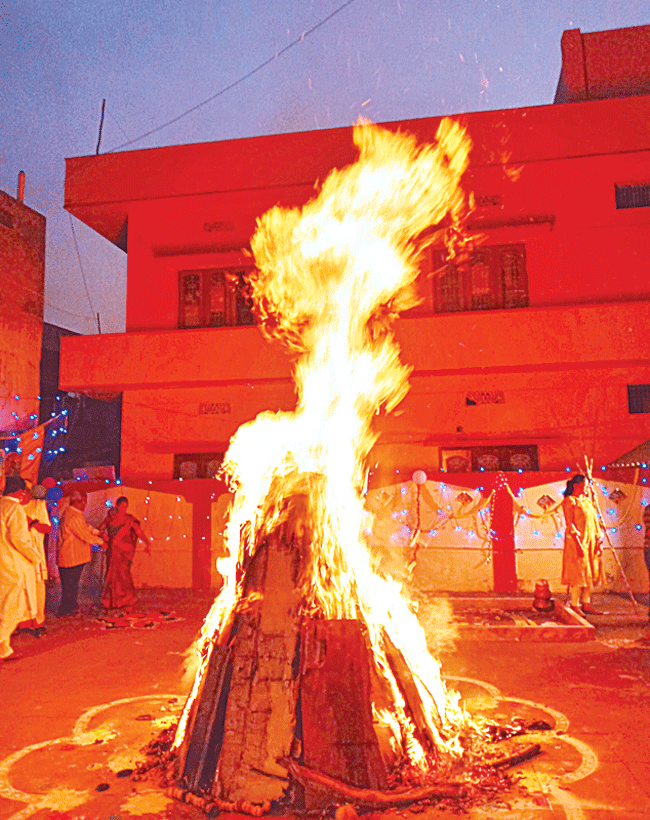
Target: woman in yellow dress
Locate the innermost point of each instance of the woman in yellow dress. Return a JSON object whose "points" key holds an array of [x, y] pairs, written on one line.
{"points": [[582, 559]]}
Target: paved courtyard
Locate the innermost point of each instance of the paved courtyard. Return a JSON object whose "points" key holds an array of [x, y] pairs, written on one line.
{"points": [[83, 700]]}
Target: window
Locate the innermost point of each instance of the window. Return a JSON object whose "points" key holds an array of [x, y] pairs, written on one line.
{"points": [[6, 219], [492, 277], [197, 465], [504, 457], [632, 196], [638, 398], [214, 298]]}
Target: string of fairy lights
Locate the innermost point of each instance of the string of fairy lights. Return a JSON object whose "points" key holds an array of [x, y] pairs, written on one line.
{"points": [[451, 511]]}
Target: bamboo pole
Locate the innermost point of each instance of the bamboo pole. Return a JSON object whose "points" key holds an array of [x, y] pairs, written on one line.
{"points": [[594, 501]]}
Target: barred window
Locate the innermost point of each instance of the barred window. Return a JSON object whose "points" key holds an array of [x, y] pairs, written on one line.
{"points": [[490, 278], [214, 298], [505, 457], [638, 398], [632, 196], [197, 465]]}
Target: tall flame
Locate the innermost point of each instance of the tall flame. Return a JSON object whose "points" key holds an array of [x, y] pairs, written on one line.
{"points": [[331, 278]]}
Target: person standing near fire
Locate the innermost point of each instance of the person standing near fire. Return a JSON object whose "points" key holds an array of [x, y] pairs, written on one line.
{"points": [[39, 525], [646, 544], [17, 556], [122, 531], [582, 559], [75, 540]]}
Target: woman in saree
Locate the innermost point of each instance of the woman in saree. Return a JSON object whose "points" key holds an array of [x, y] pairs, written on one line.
{"points": [[582, 559], [122, 532]]}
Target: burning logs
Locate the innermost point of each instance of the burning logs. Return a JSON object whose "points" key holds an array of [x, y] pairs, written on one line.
{"points": [[371, 797], [245, 716], [337, 730]]}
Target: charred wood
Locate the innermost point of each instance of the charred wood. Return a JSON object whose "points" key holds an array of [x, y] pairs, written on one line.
{"points": [[336, 789], [337, 729]]}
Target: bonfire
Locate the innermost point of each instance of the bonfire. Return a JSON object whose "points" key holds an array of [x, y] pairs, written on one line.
{"points": [[314, 686]]}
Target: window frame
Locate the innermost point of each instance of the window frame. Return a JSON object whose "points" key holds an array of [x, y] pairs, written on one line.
{"points": [[237, 309], [480, 280], [502, 452], [638, 398], [202, 461]]}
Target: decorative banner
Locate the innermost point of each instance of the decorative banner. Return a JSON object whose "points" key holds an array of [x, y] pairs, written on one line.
{"points": [[31, 444], [23, 456]]}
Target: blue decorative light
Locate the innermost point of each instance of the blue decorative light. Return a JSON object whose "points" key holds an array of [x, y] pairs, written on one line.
{"points": [[568, 469], [638, 527], [403, 490], [613, 529]]}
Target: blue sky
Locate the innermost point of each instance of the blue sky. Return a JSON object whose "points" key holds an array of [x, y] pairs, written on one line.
{"points": [[153, 60]]}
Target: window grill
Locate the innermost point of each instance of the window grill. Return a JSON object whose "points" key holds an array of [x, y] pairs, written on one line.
{"points": [[638, 398], [632, 196], [490, 278]]}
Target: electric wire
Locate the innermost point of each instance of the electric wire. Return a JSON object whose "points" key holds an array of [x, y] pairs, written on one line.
{"points": [[232, 85], [116, 121], [81, 267]]}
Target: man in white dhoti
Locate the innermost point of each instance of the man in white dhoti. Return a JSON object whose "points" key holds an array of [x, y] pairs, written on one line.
{"points": [[39, 524], [17, 554]]}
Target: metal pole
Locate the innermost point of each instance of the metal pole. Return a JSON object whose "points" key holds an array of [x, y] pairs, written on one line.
{"points": [[101, 125]]}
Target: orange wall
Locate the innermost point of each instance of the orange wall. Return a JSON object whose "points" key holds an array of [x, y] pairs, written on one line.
{"points": [[22, 271], [563, 363], [587, 251], [602, 64], [563, 373]]}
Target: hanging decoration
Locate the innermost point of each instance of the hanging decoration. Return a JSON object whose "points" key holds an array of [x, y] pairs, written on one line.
{"points": [[617, 496], [545, 502], [22, 452]]}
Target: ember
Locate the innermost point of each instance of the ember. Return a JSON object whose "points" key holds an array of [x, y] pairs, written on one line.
{"points": [[314, 685]]}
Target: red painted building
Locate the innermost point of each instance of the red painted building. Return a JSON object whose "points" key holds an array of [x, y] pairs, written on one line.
{"points": [[532, 355]]}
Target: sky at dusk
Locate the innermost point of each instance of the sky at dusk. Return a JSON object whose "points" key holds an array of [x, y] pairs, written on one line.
{"points": [[154, 60]]}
